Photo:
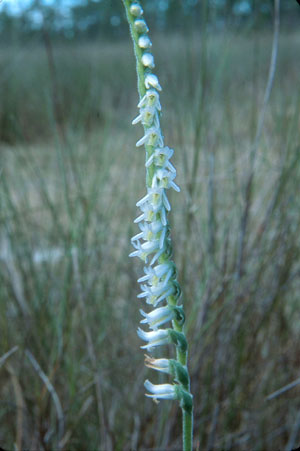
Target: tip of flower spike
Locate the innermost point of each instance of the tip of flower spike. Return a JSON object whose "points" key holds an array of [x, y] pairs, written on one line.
{"points": [[136, 9]]}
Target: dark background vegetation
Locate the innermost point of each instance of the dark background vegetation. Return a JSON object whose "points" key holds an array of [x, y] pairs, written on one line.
{"points": [[71, 371], [89, 19]]}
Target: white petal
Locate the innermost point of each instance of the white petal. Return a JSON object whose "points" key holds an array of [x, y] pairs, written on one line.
{"points": [[162, 396], [163, 216], [139, 218], [162, 237], [149, 161], [157, 364], [137, 237], [174, 186], [142, 141], [151, 80], [142, 201], [159, 389], [166, 202], [137, 119]]}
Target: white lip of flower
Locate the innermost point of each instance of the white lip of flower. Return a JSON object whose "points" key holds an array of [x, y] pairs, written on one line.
{"points": [[157, 364], [148, 60], [148, 116], [152, 137], [164, 179], [161, 391], [155, 338], [157, 198], [136, 9], [151, 81], [151, 98], [144, 42], [141, 26], [157, 317], [160, 157]]}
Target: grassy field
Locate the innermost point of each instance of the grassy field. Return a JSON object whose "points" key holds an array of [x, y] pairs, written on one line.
{"points": [[70, 178]]}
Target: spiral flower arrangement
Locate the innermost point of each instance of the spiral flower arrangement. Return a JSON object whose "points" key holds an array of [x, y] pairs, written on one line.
{"points": [[159, 286]]}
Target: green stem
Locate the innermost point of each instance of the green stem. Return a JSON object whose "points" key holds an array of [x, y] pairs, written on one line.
{"points": [[187, 430]]}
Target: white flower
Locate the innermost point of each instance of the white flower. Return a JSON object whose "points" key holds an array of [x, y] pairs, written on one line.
{"points": [[148, 60], [148, 214], [151, 80], [158, 272], [156, 293], [157, 317], [157, 198], [144, 42], [160, 157], [151, 98], [161, 391], [152, 137], [148, 116], [151, 231], [150, 246], [164, 179], [141, 26], [148, 230], [136, 9], [155, 338], [157, 364], [139, 252], [144, 250]]}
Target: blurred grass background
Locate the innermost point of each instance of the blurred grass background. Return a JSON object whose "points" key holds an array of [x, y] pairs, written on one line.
{"points": [[70, 178]]}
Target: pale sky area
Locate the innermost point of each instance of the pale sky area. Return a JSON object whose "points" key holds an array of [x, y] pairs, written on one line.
{"points": [[16, 6]]}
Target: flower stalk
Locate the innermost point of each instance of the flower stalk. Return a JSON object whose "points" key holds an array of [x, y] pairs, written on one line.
{"points": [[159, 286]]}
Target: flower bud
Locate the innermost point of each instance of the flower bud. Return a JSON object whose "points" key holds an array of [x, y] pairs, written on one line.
{"points": [[148, 60], [151, 81], [136, 9], [141, 26], [144, 42]]}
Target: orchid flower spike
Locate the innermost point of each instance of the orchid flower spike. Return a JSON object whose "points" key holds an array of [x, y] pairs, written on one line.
{"points": [[152, 244]]}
